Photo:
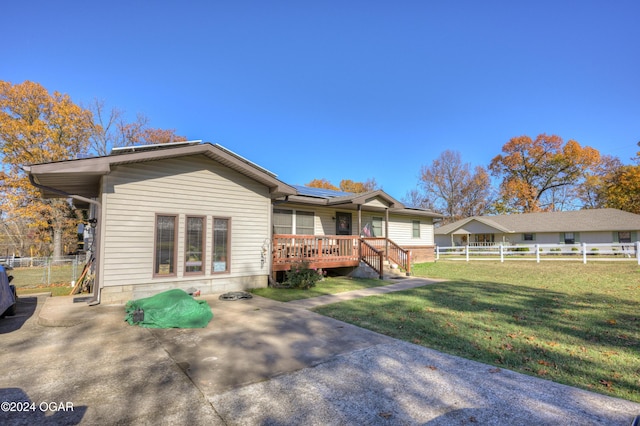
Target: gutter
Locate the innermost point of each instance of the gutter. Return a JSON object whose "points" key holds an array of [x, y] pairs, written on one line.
{"points": [[95, 300]]}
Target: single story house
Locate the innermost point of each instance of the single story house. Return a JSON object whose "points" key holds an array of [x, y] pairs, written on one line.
{"points": [[565, 227], [196, 215]]}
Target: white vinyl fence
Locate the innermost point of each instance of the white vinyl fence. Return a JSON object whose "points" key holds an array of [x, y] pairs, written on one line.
{"points": [[583, 252]]}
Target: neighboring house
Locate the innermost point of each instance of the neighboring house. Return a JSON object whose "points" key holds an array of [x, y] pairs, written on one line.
{"points": [[193, 215], [566, 227]]}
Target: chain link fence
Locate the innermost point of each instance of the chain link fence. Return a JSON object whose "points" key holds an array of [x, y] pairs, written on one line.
{"points": [[44, 271]]}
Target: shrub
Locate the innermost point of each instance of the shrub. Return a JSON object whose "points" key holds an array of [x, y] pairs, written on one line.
{"points": [[301, 277]]}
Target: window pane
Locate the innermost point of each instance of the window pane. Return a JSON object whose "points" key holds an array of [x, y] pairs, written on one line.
{"points": [[220, 245], [416, 229], [194, 245], [165, 245], [282, 221], [624, 237], [376, 224], [304, 223], [569, 238]]}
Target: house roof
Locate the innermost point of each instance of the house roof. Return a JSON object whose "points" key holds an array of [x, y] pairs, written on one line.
{"points": [[82, 176], [565, 221], [328, 197]]}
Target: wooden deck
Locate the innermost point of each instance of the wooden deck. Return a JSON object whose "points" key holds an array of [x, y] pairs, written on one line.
{"points": [[335, 251], [319, 251]]}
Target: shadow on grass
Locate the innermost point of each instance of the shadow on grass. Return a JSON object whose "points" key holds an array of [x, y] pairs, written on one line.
{"points": [[588, 340]]}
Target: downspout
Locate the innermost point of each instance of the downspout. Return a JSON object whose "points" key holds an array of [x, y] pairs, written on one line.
{"points": [[95, 300]]}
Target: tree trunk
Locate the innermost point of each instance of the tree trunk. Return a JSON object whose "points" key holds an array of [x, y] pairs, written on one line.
{"points": [[57, 242]]}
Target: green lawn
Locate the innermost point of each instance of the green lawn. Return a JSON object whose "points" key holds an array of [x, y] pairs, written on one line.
{"points": [[54, 279], [330, 285], [571, 323]]}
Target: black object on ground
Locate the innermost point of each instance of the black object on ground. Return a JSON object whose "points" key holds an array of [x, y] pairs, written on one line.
{"points": [[235, 295]]}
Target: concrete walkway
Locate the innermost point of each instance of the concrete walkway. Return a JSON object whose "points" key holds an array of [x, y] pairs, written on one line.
{"points": [[404, 284], [261, 362]]}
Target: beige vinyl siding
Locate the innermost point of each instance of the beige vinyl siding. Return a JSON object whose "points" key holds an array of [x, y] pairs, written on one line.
{"points": [[187, 186], [400, 226], [401, 230]]}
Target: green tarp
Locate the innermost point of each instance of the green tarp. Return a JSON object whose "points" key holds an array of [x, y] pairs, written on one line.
{"points": [[170, 309]]}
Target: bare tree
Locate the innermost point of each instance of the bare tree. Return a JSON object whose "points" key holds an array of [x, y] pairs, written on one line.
{"points": [[111, 130], [454, 189], [415, 198]]}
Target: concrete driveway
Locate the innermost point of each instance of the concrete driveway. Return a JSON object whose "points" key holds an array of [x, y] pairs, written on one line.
{"points": [[260, 362]]}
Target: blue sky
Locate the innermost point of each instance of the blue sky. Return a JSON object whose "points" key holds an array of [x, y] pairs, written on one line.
{"points": [[344, 89]]}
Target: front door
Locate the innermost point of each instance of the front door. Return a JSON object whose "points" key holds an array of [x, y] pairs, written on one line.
{"points": [[343, 223]]}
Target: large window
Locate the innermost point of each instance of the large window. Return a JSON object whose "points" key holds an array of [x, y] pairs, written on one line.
{"points": [[286, 221], [569, 238], [221, 239], [304, 223], [282, 221], [194, 245], [165, 246]]}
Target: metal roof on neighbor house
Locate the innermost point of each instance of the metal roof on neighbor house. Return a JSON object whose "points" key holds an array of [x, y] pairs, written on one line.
{"points": [[566, 221]]}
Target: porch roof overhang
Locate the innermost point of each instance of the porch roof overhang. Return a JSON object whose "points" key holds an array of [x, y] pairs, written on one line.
{"points": [[83, 176]]}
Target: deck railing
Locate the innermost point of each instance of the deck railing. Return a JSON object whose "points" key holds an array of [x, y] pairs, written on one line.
{"points": [[326, 251], [320, 251], [393, 252]]}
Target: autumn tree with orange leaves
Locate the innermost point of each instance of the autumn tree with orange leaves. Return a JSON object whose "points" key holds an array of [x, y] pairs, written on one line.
{"points": [[37, 127], [322, 183], [346, 185], [534, 170]]}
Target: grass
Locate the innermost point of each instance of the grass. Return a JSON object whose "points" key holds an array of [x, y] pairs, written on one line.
{"points": [[56, 279], [329, 285], [571, 323]]}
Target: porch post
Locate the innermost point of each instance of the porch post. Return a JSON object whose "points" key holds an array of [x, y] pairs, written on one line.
{"points": [[386, 232], [359, 220]]}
